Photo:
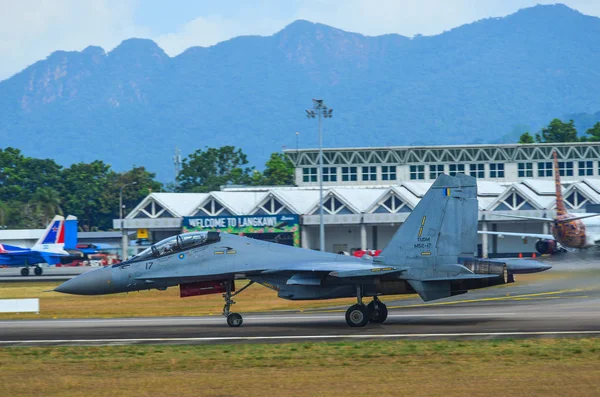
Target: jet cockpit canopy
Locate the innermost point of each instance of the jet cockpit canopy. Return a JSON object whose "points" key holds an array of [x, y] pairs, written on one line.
{"points": [[180, 242]]}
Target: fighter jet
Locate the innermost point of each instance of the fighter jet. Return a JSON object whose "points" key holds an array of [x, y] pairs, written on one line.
{"points": [[59, 236], [431, 255]]}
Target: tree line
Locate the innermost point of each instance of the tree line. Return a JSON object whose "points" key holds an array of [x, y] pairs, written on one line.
{"points": [[33, 190], [559, 131]]}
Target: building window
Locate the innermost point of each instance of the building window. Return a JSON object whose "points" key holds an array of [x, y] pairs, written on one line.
{"points": [[435, 170], [349, 174], [565, 168], [496, 170], [417, 172], [586, 168], [512, 202], [329, 174], [369, 173], [576, 199], [457, 169], [477, 170], [545, 169], [388, 172], [525, 170], [309, 174]]}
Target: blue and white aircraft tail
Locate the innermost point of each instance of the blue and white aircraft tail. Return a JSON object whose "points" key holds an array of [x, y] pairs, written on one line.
{"points": [[61, 234]]}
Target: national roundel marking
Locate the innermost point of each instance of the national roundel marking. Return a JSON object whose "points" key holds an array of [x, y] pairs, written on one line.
{"points": [[181, 256]]}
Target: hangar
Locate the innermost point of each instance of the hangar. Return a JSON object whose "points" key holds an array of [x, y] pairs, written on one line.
{"points": [[369, 192]]}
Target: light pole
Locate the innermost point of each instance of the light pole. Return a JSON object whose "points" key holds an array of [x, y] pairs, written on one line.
{"points": [[320, 110], [123, 234]]}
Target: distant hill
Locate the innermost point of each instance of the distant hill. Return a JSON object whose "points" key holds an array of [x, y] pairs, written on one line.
{"points": [[473, 84], [583, 121]]}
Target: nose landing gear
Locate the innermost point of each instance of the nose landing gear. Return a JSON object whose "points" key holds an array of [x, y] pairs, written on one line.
{"points": [[233, 319]]}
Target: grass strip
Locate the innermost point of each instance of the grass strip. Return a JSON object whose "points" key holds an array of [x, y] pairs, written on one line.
{"points": [[549, 367]]}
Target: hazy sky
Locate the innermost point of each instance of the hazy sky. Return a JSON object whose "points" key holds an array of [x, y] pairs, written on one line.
{"points": [[31, 29]]}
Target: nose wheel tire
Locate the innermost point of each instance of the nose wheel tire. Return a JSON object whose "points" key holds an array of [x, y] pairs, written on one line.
{"points": [[25, 272], [357, 315], [37, 271], [234, 320], [379, 314]]}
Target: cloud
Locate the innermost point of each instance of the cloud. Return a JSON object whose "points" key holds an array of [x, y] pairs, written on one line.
{"points": [[370, 17], [212, 29], [31, 29], [427, 17]]}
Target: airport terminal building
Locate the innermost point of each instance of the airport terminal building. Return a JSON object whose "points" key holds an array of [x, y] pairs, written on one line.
{"points": [[369, 192]]}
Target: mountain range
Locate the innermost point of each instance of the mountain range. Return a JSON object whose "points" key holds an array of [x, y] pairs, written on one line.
{"points": [[484, 82]]}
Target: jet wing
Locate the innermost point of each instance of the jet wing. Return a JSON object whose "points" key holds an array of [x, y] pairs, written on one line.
{"points": [[334, 268], [337, 268], [532, 235]]}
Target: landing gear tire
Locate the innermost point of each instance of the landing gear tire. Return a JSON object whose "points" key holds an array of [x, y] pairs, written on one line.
{"points": [[25, 272], [234, 320], [38, 271], [379, 314], [357, 316]]}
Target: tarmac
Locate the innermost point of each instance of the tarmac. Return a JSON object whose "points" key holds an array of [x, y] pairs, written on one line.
{"points": [[50, 273], [566, 303]]}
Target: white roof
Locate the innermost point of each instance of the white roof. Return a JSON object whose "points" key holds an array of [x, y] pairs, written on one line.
{"points": [[417, 188], [361, 199], [593, 183], [20, 234], [240, 202], [301, 200], [407, 196], [181, 204], [540, 186], [489, 188]]}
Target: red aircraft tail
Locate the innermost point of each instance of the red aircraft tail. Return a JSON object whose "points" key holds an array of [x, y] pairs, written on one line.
{"points": [[560, 205]]}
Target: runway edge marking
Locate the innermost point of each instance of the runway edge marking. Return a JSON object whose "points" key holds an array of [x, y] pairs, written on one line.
{"points": [[302, 337]]}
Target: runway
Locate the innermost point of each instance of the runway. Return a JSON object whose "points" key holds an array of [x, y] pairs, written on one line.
{"points": [[548, 308], [50, 273]]}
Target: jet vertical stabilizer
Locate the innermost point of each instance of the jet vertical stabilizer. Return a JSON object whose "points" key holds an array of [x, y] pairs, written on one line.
{"points": [[53, 239], [70, 232], [442, 227]]}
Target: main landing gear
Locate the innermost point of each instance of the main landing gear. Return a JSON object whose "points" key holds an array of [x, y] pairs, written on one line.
{"points": [[36, 270], [233, 319], [359, 315]]}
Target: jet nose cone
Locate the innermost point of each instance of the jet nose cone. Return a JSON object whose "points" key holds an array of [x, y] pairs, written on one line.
{"points": [[94, 282]]}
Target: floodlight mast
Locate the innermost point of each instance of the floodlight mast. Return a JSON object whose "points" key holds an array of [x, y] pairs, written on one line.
{"points": [[320, 110], [124, 242]]}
